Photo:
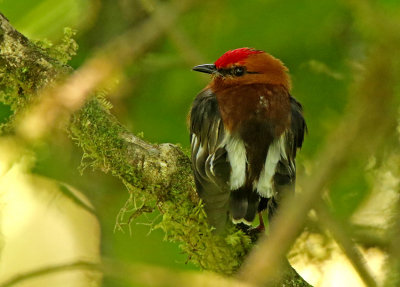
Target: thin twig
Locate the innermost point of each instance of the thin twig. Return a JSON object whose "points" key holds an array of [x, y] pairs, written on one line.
{"points": [[79, 265], [364, 235], [153, 276], [72, 93], [343, 239], [145, 275], [393, 262], [184, 45], [363, 123]]}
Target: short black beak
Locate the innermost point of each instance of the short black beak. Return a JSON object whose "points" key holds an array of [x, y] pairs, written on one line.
{"points": [[206, 68]]}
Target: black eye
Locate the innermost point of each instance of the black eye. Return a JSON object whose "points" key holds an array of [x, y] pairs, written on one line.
{"points": [[238, 71]]}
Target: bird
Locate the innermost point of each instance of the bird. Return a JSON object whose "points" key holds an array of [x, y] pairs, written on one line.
{"points": [[245, 130]]}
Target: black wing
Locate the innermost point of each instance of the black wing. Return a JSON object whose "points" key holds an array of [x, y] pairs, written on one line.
{"points": [[209, 158], [285, 175]]}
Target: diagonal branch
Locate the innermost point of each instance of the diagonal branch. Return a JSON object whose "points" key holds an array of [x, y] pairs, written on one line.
{"points": [[370, 118], [79, 265], [71, 95], [159, 174], [343, 239], [144, 275]]}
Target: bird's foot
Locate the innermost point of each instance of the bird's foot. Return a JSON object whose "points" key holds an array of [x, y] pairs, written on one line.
{"points": [[256, 232]]}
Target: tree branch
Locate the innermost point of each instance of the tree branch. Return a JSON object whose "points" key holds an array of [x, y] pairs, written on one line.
{"points": [[369, 120], [344, 240], [160, 175], [143, 274], [79, 265]]}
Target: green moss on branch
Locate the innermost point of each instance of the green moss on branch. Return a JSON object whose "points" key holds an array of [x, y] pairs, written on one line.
{"points": [[159, 175]]}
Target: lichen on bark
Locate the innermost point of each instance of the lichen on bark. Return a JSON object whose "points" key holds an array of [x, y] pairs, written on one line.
{"points": [[26, 68]]}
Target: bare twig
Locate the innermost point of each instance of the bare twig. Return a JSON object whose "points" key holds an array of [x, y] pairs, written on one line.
{"points": [[393, 262], [79, 265], [148, 275], [145, 275], [343, 239], [185, 47], [164, 171], [363, 123], [161, 173], [364, 235], [369, 236], [71, 94]]}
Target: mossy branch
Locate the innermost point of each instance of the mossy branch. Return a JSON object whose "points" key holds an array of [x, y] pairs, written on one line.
{"points": [[159, 174]]}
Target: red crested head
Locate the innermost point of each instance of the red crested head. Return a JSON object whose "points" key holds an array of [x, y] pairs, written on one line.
{"points": [[245, 66], [235, 56]]}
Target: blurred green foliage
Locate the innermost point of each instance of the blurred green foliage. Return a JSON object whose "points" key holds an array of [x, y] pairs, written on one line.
{"points": [[321, 43]]}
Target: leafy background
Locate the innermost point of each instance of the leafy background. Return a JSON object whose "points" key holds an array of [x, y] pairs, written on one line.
{"points": [[320, 41]]}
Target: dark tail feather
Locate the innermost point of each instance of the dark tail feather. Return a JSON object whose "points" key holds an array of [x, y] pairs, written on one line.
{"points": [[253, 200], [238, 204]]}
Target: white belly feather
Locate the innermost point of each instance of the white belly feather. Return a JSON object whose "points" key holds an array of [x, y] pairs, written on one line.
{"points": [[238, 160], [276, 150]]}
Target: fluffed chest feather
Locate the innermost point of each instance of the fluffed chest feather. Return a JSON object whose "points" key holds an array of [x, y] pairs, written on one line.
{"points": [[255, 120]]}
